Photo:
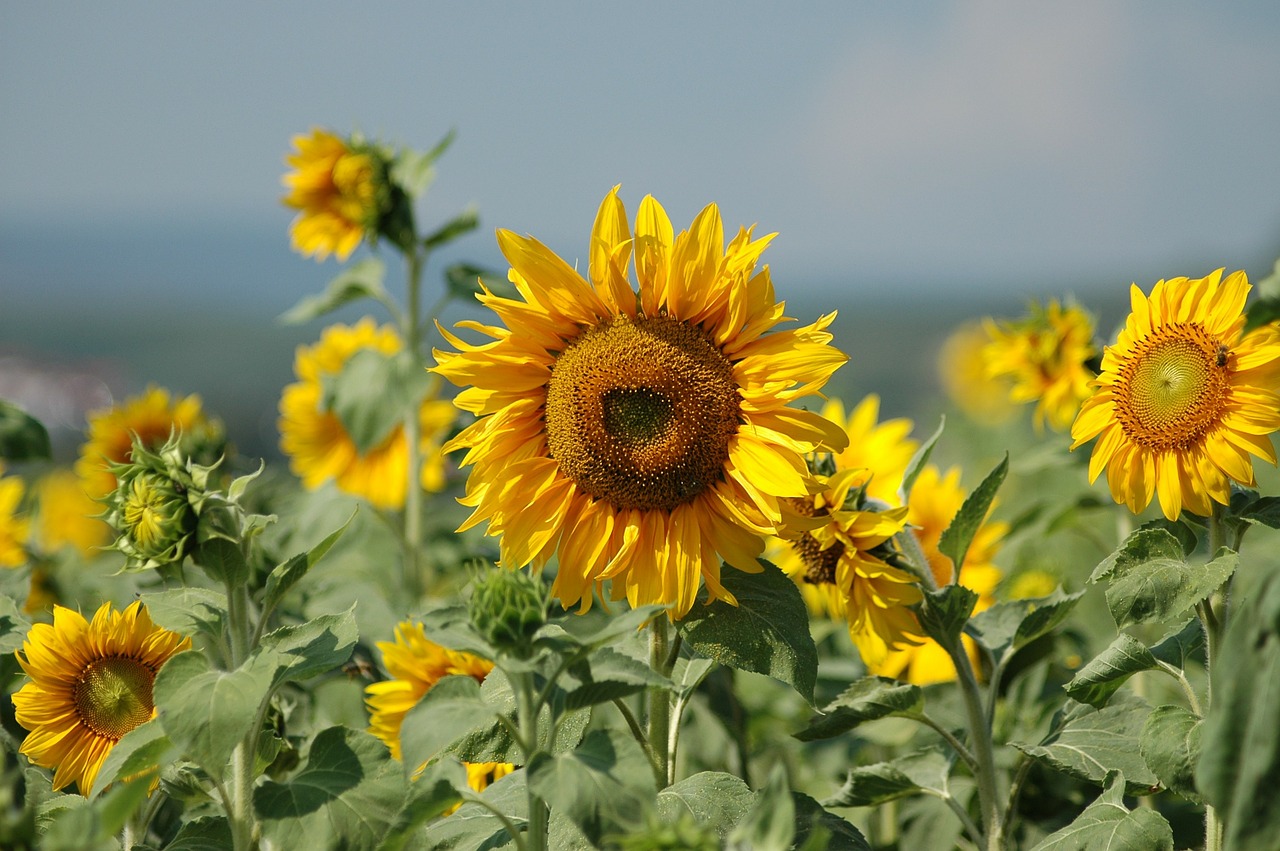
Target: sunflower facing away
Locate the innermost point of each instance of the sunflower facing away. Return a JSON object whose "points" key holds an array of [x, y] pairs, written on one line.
{"points": [[339, 190], [1045, 357], [317, 443], [416, 663], [640, 436], [1184, 398], [90, 684]]}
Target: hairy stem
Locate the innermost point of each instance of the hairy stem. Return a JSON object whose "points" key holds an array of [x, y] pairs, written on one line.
{"points": [[660, 701]]}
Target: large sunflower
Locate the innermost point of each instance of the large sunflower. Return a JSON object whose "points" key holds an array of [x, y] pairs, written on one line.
{"points": [[1044, 357], [14, 527], [1184, 398], [317, 443], [338, 188], [416, 663], [642, 437], [90, 684]]}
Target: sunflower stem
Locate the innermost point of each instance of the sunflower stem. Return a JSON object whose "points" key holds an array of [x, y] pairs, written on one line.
{"points": [[527, 707], [982, 747], [659, 701], [414, 581], [240, 804], [1213, 627]]}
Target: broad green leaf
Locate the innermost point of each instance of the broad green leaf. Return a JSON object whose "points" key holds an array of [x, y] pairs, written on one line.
{"points": [[812, 818], [766, 633], [145, 748], [1150, 544], [463, 223], [770, 825], [187, 611], [1097, 681], [362, 279], [1007, 627], [1240, 743], [919, 459], [956, 537], [312, 648], [1108, 825], [587, 632], [1264, 511], [223, 560], [449, 710], [413, 170], [371, 393], [602, 786], [430, 794], [450, 626], [1171, 748], [711, 797], [606, 675], [350, 787], [1164, 589], [206, 712], [1089, 743], [14, 626], [943, 613], [1262, 311], [22, 436], [865, 700], [870, 785], [474, 826], [286, 574], [209, 833]]}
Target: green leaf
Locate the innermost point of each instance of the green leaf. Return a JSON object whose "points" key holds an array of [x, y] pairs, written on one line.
{"points": [[349, 785], [210, 833], [1164, 589], [413, 171], [600, 786], [187, 611], [1007, 627], [865, 700], [766, 633], [712, 798], [463, 223], [22, 436], [223, 560], [362, 279], [1108, 825], [1148, 544], [1171, 748], [371, 393], [811, 819], [943, 613], [312, 648], [474, 826], [957, 537], [431, 794], [1176, 647], [919, 459], [870, 785], [770, 825], [143, 749], [463, 282], [1239, 767], [1261, 312], [1089, 743], [14, 626], [448, 711], [287, 573], [583, 632], [206, 712], [1097, 681], [607, 675]]}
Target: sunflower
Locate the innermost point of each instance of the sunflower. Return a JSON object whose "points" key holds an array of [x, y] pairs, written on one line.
{"points": [[339, 189], [416, 663], [317, 443], [882, 450], [1045, 358], [641, 436], [66, 516], [14, 527], [935, 499], [962, 371], [153, 416], [90, 684], [1184, 398]]}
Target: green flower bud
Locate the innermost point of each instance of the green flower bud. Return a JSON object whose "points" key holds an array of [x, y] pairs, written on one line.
{"points": [[507, 607]]}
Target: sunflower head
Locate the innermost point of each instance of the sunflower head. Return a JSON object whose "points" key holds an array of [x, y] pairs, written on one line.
{"points": [[15, 526], [507, 607], [1185, 397], [1044, 358], [90, 683], [341, 191], [641, 432], [962, 371], [66, 516]]}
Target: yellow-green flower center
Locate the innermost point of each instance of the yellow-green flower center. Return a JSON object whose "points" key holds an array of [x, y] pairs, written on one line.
{"points": [[143, 512], [113, 695], [1173, 387], [640, 412]]}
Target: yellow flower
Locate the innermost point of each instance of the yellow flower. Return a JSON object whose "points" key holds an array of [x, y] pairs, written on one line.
{"points": [[962, 370], [416, 663], [1044, 356], [67, 516], [153, 416], [317, 443], [339, 190], [643, 437], [14, 528], [1031, 584], [1184, 398], [881, 451], [934, 501], [90, 684]]}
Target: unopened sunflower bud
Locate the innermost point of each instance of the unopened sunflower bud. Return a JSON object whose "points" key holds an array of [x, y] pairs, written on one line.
{"points": [[507, 607]]}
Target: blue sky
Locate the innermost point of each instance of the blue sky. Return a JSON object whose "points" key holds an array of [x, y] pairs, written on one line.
{"points": [[1028, 147]]}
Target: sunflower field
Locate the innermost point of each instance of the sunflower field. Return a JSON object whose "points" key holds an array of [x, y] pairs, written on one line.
{"points": [[609, 566]]}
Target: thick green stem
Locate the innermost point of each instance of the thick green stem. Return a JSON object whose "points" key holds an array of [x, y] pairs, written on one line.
{"points": [[1212, 633], [240, 803], [527, 707], [414, 580], [660, 702], [981, 746]]}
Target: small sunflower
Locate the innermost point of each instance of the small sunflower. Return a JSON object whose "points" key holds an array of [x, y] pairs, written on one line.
{"points": [[339, 188], [90, 684], [641, 436], [317, 443], [153, 416], [962, 371], [66, 516], [416, 663], [15, 528], [1184, 398], [935, 499], [1045, 356], [882, 450]]}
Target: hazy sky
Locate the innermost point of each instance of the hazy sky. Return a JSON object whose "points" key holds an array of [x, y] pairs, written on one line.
{"points": [[1022, 144]]}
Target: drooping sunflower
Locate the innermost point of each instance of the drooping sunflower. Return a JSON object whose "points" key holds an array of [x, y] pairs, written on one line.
{"points": [[416, 663], [339, 189], [935, 498], [15, 527], [66, 516], [1184, 398], [1044, 357], [91, 682], [153, 416], [317, 443], [641, 436]]}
